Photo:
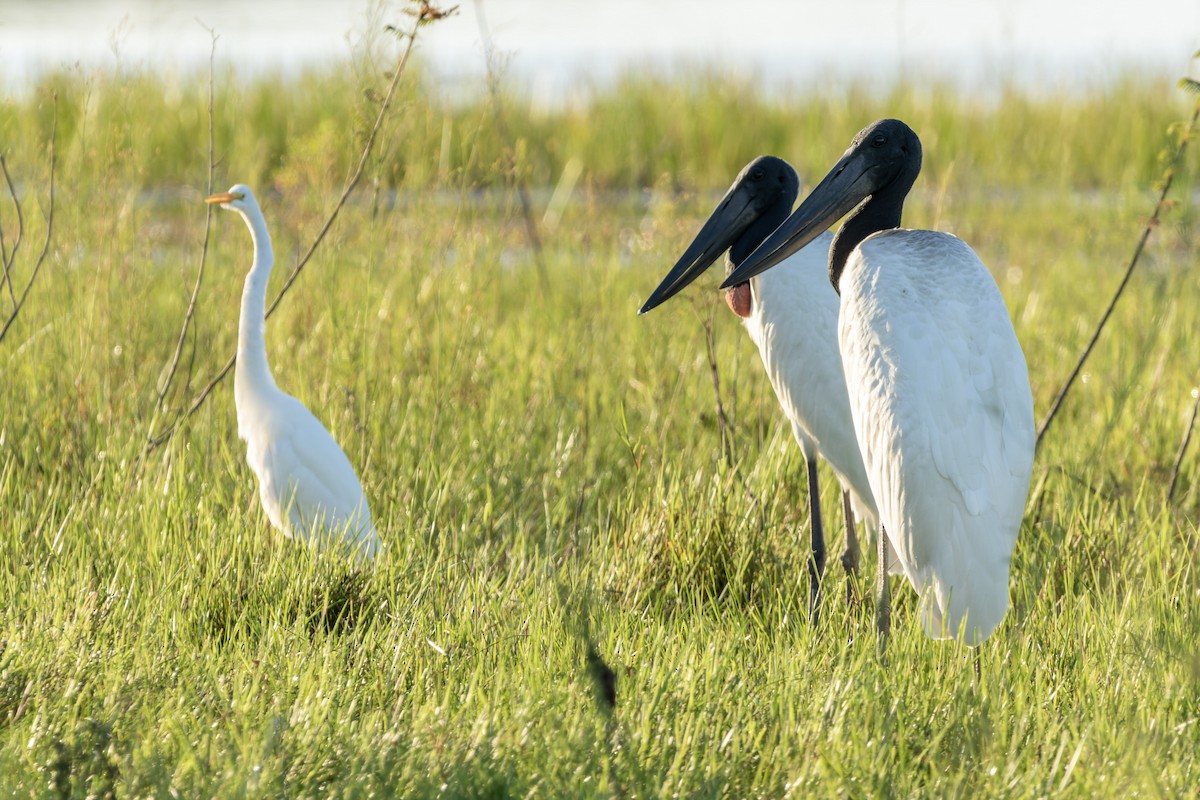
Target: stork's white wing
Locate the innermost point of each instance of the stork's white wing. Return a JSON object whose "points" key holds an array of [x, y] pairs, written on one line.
{"points": [[940, 396]]}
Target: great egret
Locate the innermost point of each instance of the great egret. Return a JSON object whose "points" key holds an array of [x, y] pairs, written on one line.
{"points": [[938, 386], [306, 483], [791, 314]]}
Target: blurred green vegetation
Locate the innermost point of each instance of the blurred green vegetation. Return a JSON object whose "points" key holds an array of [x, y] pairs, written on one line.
{"points": [[149, 132]]}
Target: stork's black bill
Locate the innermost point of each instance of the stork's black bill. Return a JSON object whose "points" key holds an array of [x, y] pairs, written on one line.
{"points": [[759, 199], [881, 164]]}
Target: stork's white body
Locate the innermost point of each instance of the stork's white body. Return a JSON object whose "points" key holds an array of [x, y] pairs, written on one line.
{"points": [[306, 483], [794, 320], [939, 393]]}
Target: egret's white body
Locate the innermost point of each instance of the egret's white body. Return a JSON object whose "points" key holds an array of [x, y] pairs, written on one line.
{"points": [[942, 408], [937, 384], [306, 483]]}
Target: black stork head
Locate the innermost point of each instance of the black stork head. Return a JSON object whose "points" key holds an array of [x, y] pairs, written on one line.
{"points": [[758, 201], [880, 167]]}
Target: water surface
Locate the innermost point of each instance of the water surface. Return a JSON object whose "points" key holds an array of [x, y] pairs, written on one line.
{"points": [[556, 46]]}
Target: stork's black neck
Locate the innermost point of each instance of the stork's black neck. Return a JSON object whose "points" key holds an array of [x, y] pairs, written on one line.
{"points": [[881, 212]]}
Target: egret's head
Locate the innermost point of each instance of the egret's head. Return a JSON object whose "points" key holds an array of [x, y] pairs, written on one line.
{"points": [[238, 198]]}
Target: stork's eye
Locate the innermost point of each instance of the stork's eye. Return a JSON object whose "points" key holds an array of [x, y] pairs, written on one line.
{"points": [[756, 175], [879, 141]]}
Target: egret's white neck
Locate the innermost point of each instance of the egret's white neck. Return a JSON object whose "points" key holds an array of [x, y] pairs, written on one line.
{"points": [[253, 374]]}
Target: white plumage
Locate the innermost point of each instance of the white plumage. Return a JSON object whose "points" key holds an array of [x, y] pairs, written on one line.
{"points": [[307, 485], [937, 383], [944, 415]]}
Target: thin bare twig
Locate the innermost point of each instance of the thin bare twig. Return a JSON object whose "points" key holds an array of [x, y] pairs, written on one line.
{"points": [[190, 314], [1183, 446], [37, 266], [426, 14], [10, 258], [4, 259], [1151, 224], [724, 423], [724, 427], [493, 81]]}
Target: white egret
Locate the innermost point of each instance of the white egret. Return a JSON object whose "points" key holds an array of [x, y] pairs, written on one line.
{"points": [[307, 485], [938, 386], [791, 314]]}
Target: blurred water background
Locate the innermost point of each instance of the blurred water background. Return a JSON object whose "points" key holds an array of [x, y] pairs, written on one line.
{"points": [[558, 50]]}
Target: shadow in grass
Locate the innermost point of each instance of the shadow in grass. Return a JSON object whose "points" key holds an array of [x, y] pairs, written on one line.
{"points": [[218, 619], [84, 763], [678, 564], [342, 604], [330, 598]]}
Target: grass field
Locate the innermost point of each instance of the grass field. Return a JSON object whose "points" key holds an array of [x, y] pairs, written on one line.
{"points": [[546, 467]]}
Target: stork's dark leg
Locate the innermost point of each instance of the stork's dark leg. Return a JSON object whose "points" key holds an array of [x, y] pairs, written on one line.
{"points": [[850, 556], [883, 608], [816, 565]]}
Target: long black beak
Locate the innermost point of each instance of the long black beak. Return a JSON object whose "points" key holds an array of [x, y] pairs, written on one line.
{"points": [[846, 185], [732, 216]]}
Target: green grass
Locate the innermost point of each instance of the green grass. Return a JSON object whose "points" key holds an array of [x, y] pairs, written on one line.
{"points": [[546, 466]]}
